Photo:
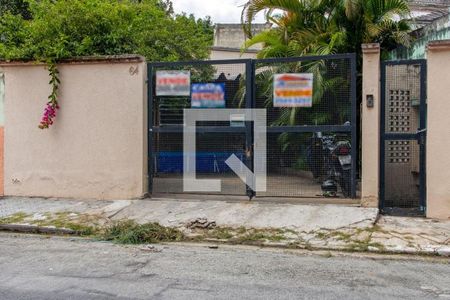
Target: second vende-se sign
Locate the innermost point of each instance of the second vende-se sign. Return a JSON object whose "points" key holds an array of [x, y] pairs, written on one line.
{"points": [[293, 90], [208, 95]]}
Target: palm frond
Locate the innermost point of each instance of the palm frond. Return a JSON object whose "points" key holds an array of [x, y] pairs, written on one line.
{"points": [[253, 7]]}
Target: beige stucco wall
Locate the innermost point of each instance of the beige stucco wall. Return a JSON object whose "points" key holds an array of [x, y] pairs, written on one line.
{"points": [[370, 118], [233, 36], [223, 54], [97, 146], [438, 132], [230, 70], [2, 100]]}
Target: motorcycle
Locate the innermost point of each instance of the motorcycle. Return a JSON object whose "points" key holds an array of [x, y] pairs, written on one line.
{"points": [[315, 155], [338, 167], [330, 156]]}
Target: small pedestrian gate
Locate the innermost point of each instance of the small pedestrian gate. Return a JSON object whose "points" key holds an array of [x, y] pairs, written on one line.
{"points": [[295, 168], [403, 136]]}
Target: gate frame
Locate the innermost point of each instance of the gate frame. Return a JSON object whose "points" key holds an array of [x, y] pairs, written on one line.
{"points": [[250, 102], [419, 135], [247, 129]]}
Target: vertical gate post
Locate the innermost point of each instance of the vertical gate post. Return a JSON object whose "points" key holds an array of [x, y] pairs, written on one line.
{"points": [[438, 142], [249, 104], [150, 128], [370, 126]]}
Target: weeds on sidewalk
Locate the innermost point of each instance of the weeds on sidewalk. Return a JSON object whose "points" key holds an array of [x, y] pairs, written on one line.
{"points": [[15, 218], [82, 225], [130, 232], [244, 235]]}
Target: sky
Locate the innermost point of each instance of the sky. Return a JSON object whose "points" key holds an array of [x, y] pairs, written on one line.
{"points": [[220, 11]]}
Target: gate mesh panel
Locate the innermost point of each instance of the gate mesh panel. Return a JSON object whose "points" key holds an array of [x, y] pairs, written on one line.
{"points": [[331, 92], [212, 151], [402, 116], [402, 173], [290, 164], [168, 110], [297, 167], [402, 98]]}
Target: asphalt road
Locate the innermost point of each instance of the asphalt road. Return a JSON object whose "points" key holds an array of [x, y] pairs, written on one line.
{"points": [[36, 267]]}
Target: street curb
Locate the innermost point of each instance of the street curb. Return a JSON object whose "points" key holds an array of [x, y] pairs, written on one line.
{"points": [[444, 251], [36, 229], [438, 252]]}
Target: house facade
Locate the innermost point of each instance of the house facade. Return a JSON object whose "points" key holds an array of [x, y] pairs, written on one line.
{"points": [[431, 22]]}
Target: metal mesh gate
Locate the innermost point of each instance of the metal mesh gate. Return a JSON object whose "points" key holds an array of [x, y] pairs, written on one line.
{"points": [[216, 141], [301, 141], [296, 167], [403, 126]]}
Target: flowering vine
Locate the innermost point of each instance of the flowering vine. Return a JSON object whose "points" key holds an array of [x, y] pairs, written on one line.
{"points": [[52, 105]]}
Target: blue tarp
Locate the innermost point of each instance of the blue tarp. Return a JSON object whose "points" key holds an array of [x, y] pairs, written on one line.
{"points": [[207, 162]]}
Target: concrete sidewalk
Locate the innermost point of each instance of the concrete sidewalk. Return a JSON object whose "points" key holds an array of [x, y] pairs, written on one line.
{"points": [[177, 213], [334, 227]]}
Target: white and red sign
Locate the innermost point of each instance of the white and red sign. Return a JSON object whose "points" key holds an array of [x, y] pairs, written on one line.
{"points": [[293, 90], [173, 83]]}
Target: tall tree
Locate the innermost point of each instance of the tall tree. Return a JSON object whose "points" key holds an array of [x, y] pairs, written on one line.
{"points": [[327, 26], [321, 27], [15, 7], [67, 28], [58, 29]]}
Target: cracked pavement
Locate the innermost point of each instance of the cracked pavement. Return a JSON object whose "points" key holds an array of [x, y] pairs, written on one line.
{"points": [[331, 227], [40, 267]]}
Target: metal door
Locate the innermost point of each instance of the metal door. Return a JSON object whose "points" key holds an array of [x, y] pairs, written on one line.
{"points": [[403, 137]]}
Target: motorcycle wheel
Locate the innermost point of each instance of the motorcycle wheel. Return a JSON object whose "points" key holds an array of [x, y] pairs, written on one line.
{"points": [[346, 183]]}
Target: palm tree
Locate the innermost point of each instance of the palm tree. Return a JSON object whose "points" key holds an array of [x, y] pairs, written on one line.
{"points": [[322, 27]]}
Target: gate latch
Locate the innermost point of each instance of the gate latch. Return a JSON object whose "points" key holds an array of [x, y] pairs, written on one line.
{"points": [[421, 135], [370, 101], [248, 152], [419, 131]]}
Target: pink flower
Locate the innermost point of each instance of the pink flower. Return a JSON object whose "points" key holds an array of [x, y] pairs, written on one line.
{"points": [[49, 115]]}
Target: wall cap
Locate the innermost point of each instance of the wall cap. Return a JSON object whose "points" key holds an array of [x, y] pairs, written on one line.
{"points": [[370, 48], [227, 49], [126, 58], [438, 45]]}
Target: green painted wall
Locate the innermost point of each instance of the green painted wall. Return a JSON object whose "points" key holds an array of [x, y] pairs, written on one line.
{"points": [[438, 30]]}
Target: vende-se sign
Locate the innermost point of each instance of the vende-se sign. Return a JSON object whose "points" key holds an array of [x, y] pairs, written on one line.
{"points": [[208, 95], [173, 83], [293, 90]]}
